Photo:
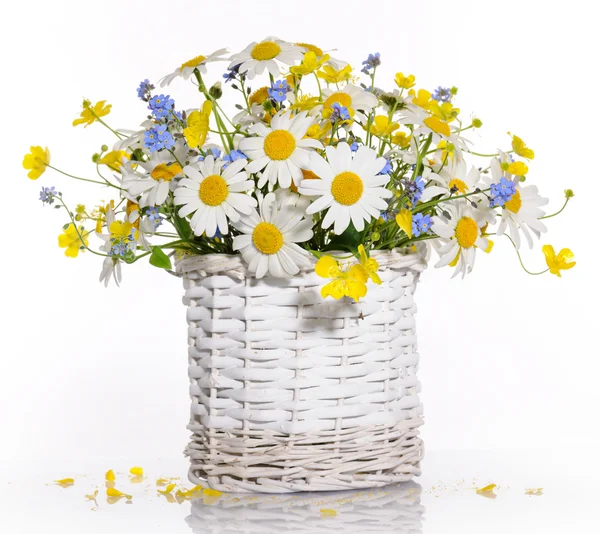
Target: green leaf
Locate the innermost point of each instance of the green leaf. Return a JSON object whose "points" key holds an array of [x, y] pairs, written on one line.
{"points": [[348, 240], [159, 259]]}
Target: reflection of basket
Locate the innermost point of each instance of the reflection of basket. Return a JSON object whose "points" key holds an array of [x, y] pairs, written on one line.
{"points": [[291, 392], [394, 509]]}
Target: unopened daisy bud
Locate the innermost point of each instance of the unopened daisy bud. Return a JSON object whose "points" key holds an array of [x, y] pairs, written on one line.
{"points": [[104, 148], [569, 193], [375, 236], [453, 90], [216, 91], [477, 123], [96, 158], [78, 217]]}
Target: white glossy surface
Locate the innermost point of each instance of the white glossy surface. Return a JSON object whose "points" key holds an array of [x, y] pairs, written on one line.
{"points": [[443, 501]]}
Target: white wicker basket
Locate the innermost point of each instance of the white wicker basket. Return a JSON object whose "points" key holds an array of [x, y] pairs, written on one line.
{"points": [[291, 392]]}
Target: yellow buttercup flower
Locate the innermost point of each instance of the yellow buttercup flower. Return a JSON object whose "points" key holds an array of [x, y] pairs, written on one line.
{"points": [[437, 125], [70, 240], [521, 149], [332, 75], [311, 47], [198, 125], [422, 99], [402, 139], [404, 82], [446, 111], [370, 265], [346, 283], [36, 161], [319, 131], [121, 230], [114, 159], [382, 127], [305, 103], [90, 113], [558, 262], [518, 168], [404, 221], [310, 63]]}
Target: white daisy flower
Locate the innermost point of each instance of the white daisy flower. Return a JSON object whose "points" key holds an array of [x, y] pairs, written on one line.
{"points": [[452, 179], [461, 234], [350, 188], [352, 97], [257, 57], [269, 237], [281, 149], [187, 68], [522, 213], [214, 194], [153, 188]]}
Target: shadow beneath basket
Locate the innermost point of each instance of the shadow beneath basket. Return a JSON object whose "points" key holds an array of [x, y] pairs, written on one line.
{"points": [[396, 509]]}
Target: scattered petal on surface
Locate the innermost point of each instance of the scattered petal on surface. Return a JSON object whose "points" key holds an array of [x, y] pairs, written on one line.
{"points": [[114, 495], [534, 491], [93, 496], [328, 512], [165, 481], [168, 489], [137, 471], [487, 491], [65, 482], [110, 475]]}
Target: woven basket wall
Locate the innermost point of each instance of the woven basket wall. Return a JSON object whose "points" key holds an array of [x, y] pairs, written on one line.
{"points": [[291, 392]]}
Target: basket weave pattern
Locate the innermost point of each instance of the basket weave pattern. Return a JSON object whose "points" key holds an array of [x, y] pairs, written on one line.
{"points": [[291, 392]]}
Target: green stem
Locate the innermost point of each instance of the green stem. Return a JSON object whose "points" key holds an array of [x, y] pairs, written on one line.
{"points": [[83, 179], [559, 211], [521, 260]]}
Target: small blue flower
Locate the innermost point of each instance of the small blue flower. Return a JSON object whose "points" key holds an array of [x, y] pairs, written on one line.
{"points": [[387, 168], [354, 146], [414, 189], [374, 60], [47, 195], [339, 112], [502, 192], [214, 152], [143, 91], [233, 156], [232, 73], [158, 138], [421, 224], [161, 106], [442, 94], [154, 217], [278, 91]]}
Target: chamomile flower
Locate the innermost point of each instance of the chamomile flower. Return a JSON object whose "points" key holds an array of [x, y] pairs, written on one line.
{"points": [[452, 180], [281, 149], [522, 212], [214, 194], [461, 235], [187, 68], [153, 188], [352, 97], [257, 57], [269, 236], [350, 188]]}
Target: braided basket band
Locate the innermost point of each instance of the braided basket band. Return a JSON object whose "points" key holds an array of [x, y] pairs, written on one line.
{"points": [[293, 392]]}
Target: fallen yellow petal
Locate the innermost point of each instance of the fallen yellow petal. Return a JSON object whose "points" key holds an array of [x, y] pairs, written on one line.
{"points": [[65, 482], [110, 475], [534, 491], [113, 492], [210, 492], [168, 489], [327, 512], [489, 487], [137, 471], [93, 496]]}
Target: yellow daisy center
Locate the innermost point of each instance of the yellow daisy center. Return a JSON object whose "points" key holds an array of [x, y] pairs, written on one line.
{"points": [[267, 238], [343, 99], [347, 188], [515, 203], [213, 190], [459, 185], [265, 51], [259, 96], [165, 172], [193, 62], [312, 48], [279, 144], [467, 232]]}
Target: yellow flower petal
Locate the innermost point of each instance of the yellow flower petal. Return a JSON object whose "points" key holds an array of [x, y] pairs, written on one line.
{"points": [[198, 123], [404, 221], [404, 82], [113, 492], [92, 497], [326, 266], [110, 475], [521, 149], [489, 487], [71, 241], [65, 482], [518, 168], [90, 113], [328, 512], [437, 125], [534, 491], [138, 471]]}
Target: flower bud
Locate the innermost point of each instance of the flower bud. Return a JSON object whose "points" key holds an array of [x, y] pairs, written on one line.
{"points": [[477, 123], [569, 193], [215, 91]]}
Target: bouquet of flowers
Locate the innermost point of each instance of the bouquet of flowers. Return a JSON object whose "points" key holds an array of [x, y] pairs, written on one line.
{"points": [[316, 161]]}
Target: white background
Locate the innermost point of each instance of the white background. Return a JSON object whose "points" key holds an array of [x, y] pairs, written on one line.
{"points": [[89, 374]]}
